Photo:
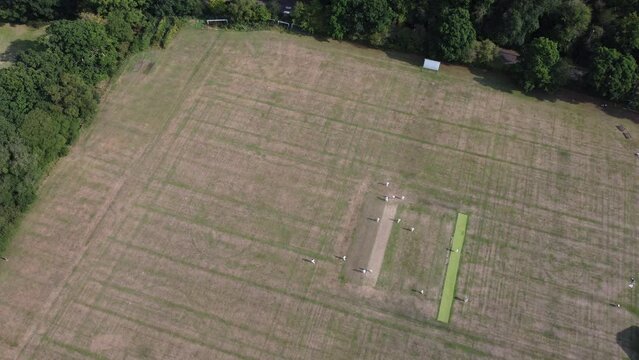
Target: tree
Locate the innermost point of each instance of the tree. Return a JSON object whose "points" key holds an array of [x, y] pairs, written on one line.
{"points": [[87, 47], [479, 9], [105, 7], [623, 6], [7, 135], [567, 22], [120, 30], [439, 5], [163, 8], [633, 102], [42, 131], [482, 53], [120, 25], [72, 97], [626, 33], [360, 20], [592, 41], [401, 9], [217, 7], [452, 36], [613, 74], [418, 12], [247, 11], [407, 39], [25, 10], [18, 92], [68, 92], [19, 173], [586, 46], [274, 8], [538, 64], [310, 17], [47, 62], [514, 20], [123, 27], [338, 21]]}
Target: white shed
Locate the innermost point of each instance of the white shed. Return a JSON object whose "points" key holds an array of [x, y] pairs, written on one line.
{"points": [[431, 64]]}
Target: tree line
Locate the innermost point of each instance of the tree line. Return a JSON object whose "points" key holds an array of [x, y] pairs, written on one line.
{"points": [[601, 36], [51, 91]]}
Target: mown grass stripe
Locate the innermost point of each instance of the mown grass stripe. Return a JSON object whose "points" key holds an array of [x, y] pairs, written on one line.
{"points": [[448, 292], [85, 353]]}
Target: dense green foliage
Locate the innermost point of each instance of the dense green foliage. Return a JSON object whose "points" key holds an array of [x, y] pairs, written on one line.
{"points": [[539, 64], [105, 7], [626, 34], [452, 35], [360, 19], [482, 53], [174, 8], [513, 21], [19, 174], [86, 48], [568, 21], [310, 17], [25, 10], [247, 11], [614, 75]]}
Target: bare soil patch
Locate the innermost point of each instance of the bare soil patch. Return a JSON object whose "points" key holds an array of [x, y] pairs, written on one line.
{"points": [[366, 253]]}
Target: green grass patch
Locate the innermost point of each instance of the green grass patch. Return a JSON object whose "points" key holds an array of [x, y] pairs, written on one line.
{"points": [[448, 292], [15, 39], [633, 309], [87, 354], [466, 349]]}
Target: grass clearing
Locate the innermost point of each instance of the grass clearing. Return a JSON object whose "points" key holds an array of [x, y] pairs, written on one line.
{"points": [[14, 39], [454, 260], [178, 224]]}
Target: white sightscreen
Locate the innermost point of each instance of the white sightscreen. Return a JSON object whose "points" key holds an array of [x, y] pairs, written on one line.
{"points": [[431, 64]]}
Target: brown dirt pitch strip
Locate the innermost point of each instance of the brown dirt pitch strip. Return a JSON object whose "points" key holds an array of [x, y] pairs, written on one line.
{"points": [[177, 226], [366, 253]]}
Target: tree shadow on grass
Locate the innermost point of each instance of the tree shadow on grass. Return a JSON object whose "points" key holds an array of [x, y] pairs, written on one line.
{"points": [[496, 80], [628, 340], [580, 96], [15, 48], [502, 80], [576, 95], [411, 59], [296, 30]]}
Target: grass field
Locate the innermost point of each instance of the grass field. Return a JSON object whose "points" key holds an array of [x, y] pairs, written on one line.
{"points": [[16, 38], [454, 259], [178, 224]]}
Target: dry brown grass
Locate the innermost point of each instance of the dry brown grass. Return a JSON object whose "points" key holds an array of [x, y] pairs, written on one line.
{"points": [[177, 226]]}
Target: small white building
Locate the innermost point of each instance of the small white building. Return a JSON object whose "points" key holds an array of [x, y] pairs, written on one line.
{"points": [[431, 64]]}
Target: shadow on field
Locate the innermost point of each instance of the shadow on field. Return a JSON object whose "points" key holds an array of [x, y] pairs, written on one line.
{"points": [[411, 59], [628, 339], [15, 48], [503, 82], [296, 30], [496, 80], [319, 38], [623, 113]]}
